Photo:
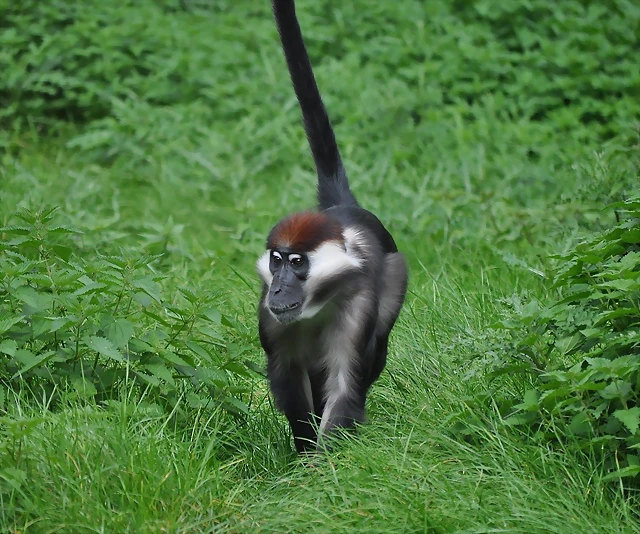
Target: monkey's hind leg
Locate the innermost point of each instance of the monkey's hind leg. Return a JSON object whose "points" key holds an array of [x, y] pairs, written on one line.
{"points": [[345, 404]]}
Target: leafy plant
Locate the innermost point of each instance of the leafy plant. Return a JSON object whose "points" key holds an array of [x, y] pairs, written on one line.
{"points": [[76, 61], [584, 347], [569, 63], [96, 324]]}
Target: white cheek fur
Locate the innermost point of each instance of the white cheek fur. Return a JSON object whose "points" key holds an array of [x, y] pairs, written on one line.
{"points": [[263, 267], [329, 260]]}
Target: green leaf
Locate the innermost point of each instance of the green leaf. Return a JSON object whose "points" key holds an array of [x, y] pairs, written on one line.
{"points": [[622, 285], [172, 357], [62, 229], [629, 471], [520, 419], [210, 333], [237, 367], [7, 322], [160, 371], [89, 287], [631, 236], [236, 406], [629, 204], [30, 360], [590, 386], [156, 317], [618, 389], [580, 424], [226, 322], [34, 299], [84, 387], [609, 315], [196, 401], [143, 299], [629, 261], [148, 286], [199, 350], [530, 401], [137, 345], [595, 333], [188, 294], [15, 229], [510, 370], [214, 376], [259, 369], [13, 477], [119, 332], [567, 344], [213, 315], [50, 325], [629, 418], [150, 379], [104, 347], [8, 347], [62, 252], [24, 241]]}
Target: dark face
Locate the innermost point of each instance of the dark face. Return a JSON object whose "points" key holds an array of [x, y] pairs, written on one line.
{"points": [[286, 296]]}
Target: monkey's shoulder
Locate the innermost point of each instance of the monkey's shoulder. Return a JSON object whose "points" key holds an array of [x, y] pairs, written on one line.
{"points": [[353, 216]]}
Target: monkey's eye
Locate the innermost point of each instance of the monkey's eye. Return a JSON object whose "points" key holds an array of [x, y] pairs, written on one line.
{"points": [[295, 260], [276, 257]]}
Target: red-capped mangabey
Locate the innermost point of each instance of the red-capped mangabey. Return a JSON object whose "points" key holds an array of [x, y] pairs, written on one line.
{"points": [[334, 281]]}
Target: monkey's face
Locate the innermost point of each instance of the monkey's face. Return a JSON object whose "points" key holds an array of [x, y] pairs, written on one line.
{"points": [[306, 265], [286, 294]]}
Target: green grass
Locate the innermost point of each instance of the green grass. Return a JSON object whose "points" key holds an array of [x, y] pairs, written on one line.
{"points": [[477, 216]]}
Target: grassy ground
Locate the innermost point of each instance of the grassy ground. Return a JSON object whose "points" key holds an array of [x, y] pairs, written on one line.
{"points": [[476, 214]]}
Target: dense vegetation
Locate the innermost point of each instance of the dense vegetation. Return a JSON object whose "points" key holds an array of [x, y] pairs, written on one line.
{"points": [[147, 147]]}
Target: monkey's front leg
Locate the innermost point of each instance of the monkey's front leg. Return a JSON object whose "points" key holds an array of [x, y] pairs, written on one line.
{"points": [[292, 393]]}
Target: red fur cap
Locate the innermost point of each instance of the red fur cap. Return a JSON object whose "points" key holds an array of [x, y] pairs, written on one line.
{"points": [[304, 232]]}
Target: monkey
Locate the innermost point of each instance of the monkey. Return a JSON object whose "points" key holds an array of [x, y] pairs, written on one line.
{"points": [[333, 281]]}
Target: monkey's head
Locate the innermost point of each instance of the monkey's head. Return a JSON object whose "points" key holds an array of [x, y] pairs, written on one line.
{"points": [[307, 262]]}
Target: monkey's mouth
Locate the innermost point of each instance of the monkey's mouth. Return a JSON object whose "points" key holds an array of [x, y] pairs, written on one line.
{"points": [[280, 310], [288, 313]]}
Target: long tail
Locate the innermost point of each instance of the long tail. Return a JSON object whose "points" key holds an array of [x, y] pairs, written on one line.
{"points": [[333, 184]]}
